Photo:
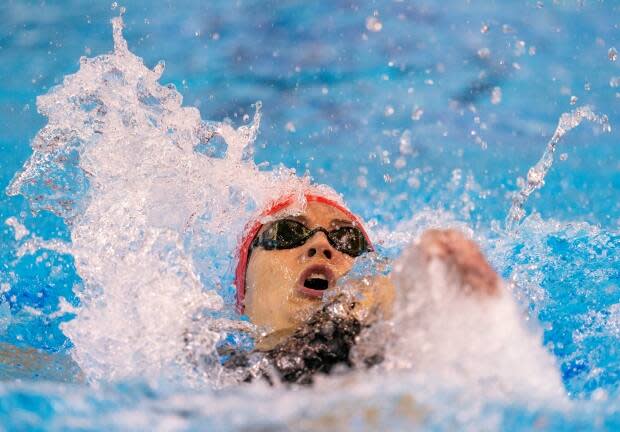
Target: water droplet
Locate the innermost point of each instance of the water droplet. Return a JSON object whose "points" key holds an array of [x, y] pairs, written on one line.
{"points": [[404, 146], [484, 52], [573, 100], [400, 163], [290, 127], [429, 82], [531, 50], [114, 5], [507, 29], [519, 48], [563, 156], [535, 176], [612, 54], [413, 182], [484, 29], [324, 90], [215, 36], [540, 5], [246, 118], [416, 114], [587, 87], [373, 24], [496, 95], [389, 110], [614, 81]]}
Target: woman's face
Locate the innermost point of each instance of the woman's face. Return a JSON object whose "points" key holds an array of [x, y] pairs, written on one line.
{"points": [[283, 287]]}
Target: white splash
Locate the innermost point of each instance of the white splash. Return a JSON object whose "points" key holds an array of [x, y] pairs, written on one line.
{"points": [[19, 230], [465, 340], [536, 174], [150, 216]]}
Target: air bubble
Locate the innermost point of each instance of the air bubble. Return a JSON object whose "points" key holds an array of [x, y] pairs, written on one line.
{"points": [[612, 54]]}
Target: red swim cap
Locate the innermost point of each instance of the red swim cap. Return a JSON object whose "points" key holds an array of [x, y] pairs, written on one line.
{"points": [[253, 227]]}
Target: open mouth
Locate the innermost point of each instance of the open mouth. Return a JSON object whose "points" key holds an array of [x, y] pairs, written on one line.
{"points": [[315, 280]]}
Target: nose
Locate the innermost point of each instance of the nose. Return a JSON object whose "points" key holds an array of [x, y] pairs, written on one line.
{"points": [[319, 244]]}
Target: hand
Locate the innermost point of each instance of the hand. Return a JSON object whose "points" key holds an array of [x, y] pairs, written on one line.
{"points": [[455, 249]]}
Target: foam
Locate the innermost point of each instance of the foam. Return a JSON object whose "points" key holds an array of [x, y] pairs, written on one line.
{"points": [[466, 339]]}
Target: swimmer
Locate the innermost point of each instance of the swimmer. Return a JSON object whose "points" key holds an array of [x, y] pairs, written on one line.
{"points": [[291, 259]]}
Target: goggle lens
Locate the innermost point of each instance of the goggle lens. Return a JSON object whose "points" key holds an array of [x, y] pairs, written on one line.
{"points": [[288, 234]]}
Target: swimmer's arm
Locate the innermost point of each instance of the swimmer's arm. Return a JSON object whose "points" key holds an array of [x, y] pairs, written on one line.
{"points": [[477, 277], [459, 253]]}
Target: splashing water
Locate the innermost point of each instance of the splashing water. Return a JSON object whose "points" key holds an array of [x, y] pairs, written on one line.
{"points": [[151, 218], [536, 174], [118, 161]]}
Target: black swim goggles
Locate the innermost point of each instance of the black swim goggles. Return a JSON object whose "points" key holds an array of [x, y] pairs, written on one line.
{"points": [[289, 234]]}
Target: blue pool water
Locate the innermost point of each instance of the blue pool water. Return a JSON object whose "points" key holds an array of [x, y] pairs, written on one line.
{"points": [[420, 114]]}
